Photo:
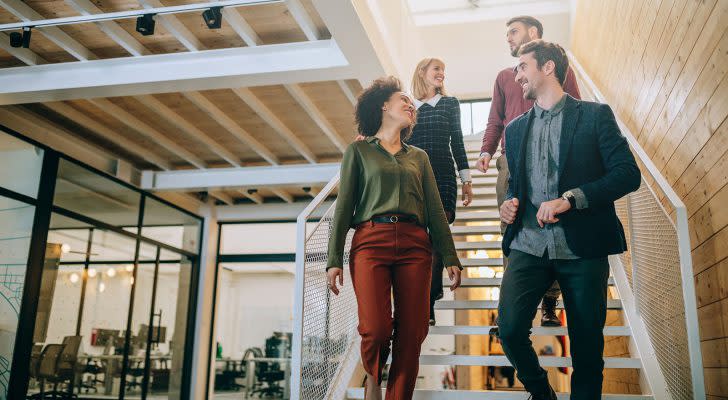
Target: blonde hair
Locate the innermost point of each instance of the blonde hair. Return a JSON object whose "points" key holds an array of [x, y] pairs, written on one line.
{"points": [[419, 87]]}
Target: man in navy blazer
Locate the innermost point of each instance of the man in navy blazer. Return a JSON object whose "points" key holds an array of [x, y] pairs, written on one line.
{"points": [[569, 162]]}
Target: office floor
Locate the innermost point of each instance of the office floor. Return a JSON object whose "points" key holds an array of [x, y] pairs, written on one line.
{"points": [[237, 396]]}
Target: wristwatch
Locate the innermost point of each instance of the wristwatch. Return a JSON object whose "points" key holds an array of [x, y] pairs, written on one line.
{"points": [[569, 196]]}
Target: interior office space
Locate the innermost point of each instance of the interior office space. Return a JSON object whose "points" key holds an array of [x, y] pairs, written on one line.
{"points": [[155, 156]]}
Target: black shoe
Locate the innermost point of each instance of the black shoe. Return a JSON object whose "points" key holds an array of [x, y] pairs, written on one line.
{"points": [[548, 394], [432, 314], [548, 312]]}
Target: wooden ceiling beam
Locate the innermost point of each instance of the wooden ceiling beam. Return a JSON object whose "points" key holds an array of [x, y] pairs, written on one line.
{"points": [[55, 34], [142, 127], [175, 27], [316, 115], [271, 119], [347, 92], [112, 29], [299, 13], [275, 64], [231, 126], [282, 194], [185, 126], [27, 56], [254, 197], [224, 197], [107, 133]]}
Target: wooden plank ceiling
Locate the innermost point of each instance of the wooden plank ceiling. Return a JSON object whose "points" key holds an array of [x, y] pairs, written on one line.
{"points": [[292, 124]]}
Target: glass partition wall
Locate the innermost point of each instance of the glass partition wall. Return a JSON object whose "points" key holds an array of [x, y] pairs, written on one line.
{"points": [[102, 274]]}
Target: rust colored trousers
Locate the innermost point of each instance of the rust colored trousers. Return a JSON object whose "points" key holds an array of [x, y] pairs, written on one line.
{"points": [[392, 261]]}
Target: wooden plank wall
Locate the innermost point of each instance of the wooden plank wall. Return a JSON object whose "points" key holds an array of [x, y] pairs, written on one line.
{"points": [[663, 66]]}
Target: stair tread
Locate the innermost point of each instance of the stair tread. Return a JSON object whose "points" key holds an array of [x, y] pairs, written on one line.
{"points": [[479, 215], [536, 330], [479, 203], [484, 245], [484, 282], [441, 394], [493, 304], [481, 262], [502, 361], [475, 230]]}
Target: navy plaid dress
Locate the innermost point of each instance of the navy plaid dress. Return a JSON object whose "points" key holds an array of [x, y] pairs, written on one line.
{"points": [[439, 134]]}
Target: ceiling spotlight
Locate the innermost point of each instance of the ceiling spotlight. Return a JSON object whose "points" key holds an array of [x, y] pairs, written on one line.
{"points": [[307, 189], [213, 17], [18, 39], [145, 24]]}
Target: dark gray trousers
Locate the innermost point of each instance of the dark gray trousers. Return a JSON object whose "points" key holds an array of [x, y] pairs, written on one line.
{"points": [[584, 289]]}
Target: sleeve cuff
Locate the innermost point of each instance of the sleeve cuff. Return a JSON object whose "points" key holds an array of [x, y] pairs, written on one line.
{"points": [[485, 153], [450, 261], [465, 175], [335, 262], [580, 198]]}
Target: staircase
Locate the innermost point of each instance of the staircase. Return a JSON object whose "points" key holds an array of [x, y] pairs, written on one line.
{"points": [[476, 232], [652, 303]]}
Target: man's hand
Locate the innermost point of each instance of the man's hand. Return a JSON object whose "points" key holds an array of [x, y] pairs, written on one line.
{"points": [[467, 193], [331, 276], [548, 211], [508, 211], [483, 162], [454, 274]]}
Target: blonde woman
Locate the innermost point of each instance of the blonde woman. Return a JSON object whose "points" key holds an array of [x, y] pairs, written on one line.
{"points": [[438, 133]]}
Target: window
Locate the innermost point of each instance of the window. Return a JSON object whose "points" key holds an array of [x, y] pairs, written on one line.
{"points": [[474, 116]]}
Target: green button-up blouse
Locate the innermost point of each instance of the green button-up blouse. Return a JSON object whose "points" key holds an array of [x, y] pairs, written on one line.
{"points": [[374, 182]]}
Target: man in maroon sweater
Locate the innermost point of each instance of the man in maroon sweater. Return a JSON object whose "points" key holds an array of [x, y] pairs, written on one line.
{"points": [[508, 103]]}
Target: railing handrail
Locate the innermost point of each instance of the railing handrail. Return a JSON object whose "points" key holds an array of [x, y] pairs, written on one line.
{"points": [[681, 229], [301, 238]]}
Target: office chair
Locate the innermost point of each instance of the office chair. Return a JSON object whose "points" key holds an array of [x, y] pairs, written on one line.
{"points": [[136, 371], [94, 369], [57, 365]]}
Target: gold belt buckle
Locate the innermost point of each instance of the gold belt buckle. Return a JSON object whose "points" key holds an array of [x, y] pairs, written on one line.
{"points": [[394, 219]]}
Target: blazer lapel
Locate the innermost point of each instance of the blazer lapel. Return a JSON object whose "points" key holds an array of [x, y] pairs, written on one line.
{"points": [[522, 152], [571, 112]]}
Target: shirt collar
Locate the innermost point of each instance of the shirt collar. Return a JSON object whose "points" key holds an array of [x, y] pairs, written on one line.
{"points": [[555, 110], [375, 140], [431, 101]]}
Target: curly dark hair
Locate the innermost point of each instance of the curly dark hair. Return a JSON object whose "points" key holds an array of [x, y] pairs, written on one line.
{"points": [[369, 112]]}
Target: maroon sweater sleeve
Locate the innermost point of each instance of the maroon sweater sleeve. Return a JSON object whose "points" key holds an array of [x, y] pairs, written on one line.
{"points": [[494, 128], [570, 85]]}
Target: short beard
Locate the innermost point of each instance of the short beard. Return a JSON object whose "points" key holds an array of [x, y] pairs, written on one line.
{"points": [[530, 94], [514, 52]]}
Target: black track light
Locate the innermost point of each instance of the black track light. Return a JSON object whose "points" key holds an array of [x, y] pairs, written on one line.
{"points": [[18, 39], [213, 17], [145, 24]]}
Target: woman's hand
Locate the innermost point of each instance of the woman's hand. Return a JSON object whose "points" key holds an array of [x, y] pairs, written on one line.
{"points": [[331, 275], [467, 193], [454, 274]]}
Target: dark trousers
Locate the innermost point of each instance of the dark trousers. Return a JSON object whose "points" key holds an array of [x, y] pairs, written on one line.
{"points": [[584, 288], [501, 190], [438, 266], [392, 261]]}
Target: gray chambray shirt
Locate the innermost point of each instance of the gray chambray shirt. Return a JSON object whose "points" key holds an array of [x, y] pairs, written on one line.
{"points": [[542, 169]]}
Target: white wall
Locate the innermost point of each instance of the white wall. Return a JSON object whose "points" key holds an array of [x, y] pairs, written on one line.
{"points": [[251, 308]]}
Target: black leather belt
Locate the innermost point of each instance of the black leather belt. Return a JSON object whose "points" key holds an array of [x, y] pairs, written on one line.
{"points": [[393, 219]]}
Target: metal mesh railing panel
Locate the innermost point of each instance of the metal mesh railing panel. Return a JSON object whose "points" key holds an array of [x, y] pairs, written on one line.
{"points": [[623, 214], [657, 285], [329, 347]]}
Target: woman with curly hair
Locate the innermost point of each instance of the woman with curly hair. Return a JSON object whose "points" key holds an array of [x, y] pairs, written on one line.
{"points": [[389, 195], [439, 134]]}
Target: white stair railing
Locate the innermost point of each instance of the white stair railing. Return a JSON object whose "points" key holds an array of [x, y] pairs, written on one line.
{"points": [[325, 338], [655, 278]]}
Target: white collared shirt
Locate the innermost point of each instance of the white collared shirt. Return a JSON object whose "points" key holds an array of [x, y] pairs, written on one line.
{"points": [[431, 101]]}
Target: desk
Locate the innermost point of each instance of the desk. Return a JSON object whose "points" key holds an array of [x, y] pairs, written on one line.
{"points": [[250, 374], [112, 363]]}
